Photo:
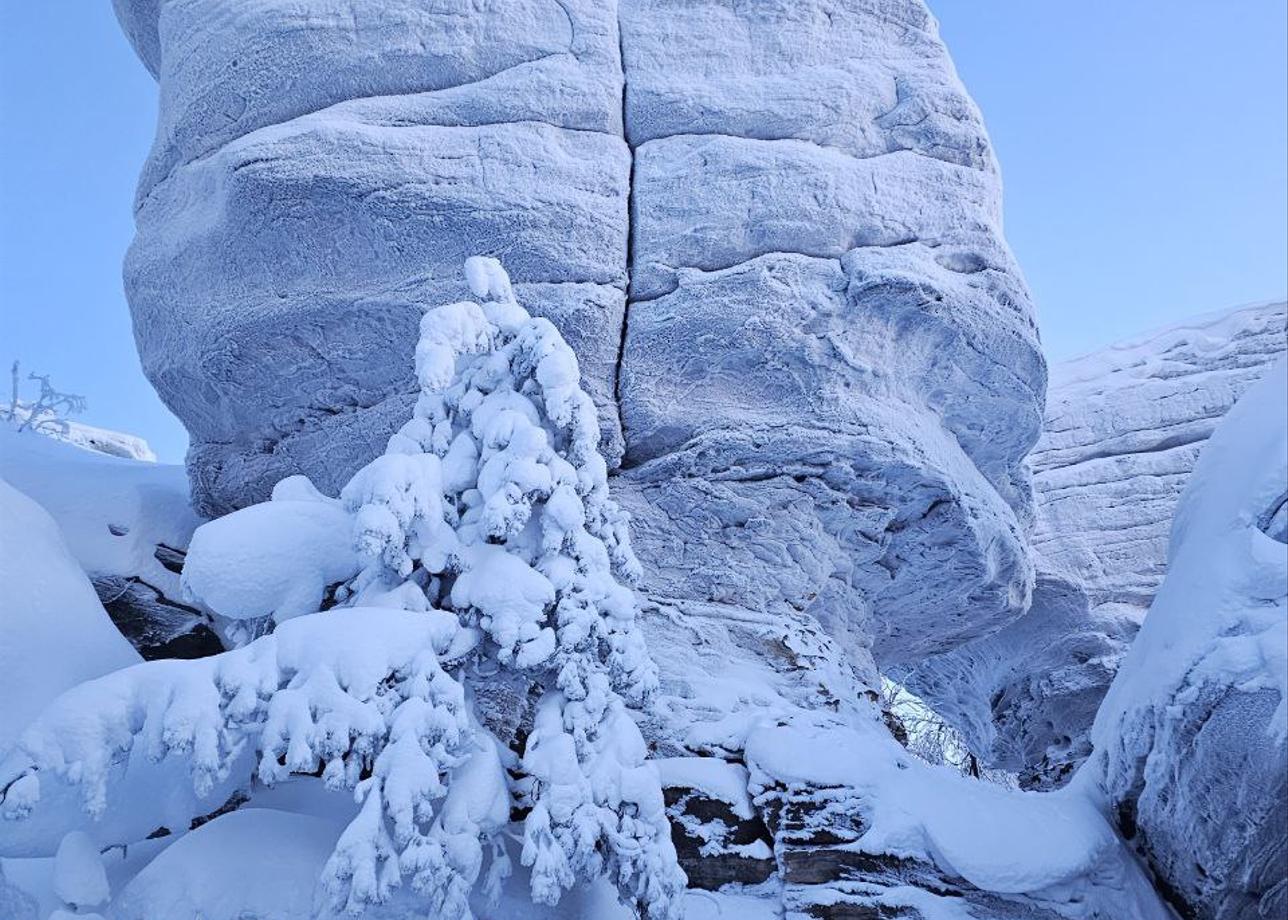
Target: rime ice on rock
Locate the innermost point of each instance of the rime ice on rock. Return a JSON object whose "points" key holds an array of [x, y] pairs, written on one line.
{"points": [[821, 350], [1125, 426], [1191, 743]]}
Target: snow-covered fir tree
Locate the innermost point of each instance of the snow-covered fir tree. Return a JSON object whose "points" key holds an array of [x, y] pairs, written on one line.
{"points": [[484, 535]]}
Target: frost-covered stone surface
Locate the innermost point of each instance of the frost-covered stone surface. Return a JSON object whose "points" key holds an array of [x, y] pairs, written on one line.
{"points": [[771, 233], [1191, 743], [1124, 428], [1024, 698], [780, 225]]}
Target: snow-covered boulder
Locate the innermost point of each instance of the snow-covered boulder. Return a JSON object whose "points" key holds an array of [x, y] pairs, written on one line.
{"points": [[286, 553], [862, 828], [821, 350], [249, 863], [320, 175], [1191, 743], [54, 633], [80, 881]]}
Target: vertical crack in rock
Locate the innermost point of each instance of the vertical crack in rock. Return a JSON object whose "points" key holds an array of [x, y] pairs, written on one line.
{"points": [[630, 228]]}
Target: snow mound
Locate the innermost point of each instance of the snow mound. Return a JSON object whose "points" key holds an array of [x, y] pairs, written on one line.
{"points": [[54, 633], [1190, 743], [251, 863], [127, 523], [113, 512], [286, 553]]}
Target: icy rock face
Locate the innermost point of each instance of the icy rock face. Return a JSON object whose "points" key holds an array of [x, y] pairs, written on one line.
{"points": [[1024, 698], [829, 348], [771, 233], [319, 173], [1124, 428], [1190, 741]]}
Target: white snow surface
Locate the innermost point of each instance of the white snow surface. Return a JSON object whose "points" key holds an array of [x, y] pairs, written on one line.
{"points": [[90, 437], [80, 880], [113, 512], [285, 554], [54, 633], [251, 863], [1056, 848]]}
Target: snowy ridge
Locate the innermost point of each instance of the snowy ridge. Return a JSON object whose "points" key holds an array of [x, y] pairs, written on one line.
{"points": [[90, 437]]}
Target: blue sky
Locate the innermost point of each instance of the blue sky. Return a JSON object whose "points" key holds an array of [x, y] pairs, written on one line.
{"points": [[1144, 146]]}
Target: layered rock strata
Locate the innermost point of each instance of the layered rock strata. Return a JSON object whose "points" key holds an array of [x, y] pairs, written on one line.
{"points": [[1125, 427], [772, 234]]}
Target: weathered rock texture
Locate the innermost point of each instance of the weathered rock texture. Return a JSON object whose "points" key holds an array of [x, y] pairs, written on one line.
{"points": [[771, 232], [1124, 429], [1024, 699]]}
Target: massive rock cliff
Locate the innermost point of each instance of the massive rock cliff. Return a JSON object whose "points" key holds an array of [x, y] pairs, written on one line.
{"points": [[1124, 429], [771, 233]]}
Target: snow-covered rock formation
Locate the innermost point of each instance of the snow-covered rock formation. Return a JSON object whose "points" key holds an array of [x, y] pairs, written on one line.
{"points": [[89, 437], [772, 235], [487, 556], [1191, 743], [53, 631], [1124, 428]]}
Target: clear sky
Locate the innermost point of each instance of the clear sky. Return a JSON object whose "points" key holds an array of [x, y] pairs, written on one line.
{"points": [[1144, 146]]}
